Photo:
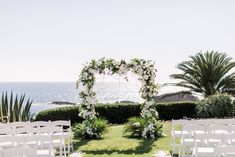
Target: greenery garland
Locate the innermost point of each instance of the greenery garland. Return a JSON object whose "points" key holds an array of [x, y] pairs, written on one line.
{"points": [[146, 73]]}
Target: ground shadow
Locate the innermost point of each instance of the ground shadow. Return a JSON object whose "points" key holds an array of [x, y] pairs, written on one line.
{"points": [[144, 146]]}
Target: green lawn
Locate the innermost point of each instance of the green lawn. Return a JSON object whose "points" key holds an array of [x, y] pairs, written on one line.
{"points": [[115, 144]]}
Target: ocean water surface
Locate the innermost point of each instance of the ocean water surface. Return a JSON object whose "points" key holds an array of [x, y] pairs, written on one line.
{"points": [[44, 93]]}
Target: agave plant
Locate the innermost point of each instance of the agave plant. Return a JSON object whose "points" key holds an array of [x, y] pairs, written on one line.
{"points": [[15, 108], [207, 73]]}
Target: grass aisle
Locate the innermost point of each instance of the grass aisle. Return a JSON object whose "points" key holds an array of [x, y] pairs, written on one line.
{"points": [[115, 144]]}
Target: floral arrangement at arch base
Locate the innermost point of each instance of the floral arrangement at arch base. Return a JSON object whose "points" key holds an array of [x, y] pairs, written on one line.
{"points": [[146, 73]]}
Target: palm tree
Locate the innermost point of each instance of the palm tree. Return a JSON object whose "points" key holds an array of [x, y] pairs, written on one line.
{"points": [[207, 73]]}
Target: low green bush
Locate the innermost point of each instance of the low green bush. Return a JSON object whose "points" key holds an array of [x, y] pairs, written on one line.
{"points": [[119, 113], [100, 127], [176, 110], [136, 125], [218, 105]]}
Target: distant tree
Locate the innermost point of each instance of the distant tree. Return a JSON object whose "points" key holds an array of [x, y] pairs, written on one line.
{"points": [[207, 73]]}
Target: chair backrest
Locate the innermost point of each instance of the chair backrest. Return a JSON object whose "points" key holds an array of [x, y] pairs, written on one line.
{"points": [[229, 121], [4, 125], [21, 131], [195, 129], [180, 122], [66, 125], [19, 124], [219, 129], [50, 130], [6, 131], [20, 152], [201, 122], [39, 124], [61, 123]]}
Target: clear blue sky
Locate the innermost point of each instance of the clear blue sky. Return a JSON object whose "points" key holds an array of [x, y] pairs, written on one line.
{"points": [[49, 40]]}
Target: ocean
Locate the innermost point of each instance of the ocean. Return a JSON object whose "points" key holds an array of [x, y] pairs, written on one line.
{"points": [[44, 93]]}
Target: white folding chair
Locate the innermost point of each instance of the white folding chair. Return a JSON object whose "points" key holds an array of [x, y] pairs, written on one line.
{"points": [[232, 128], [32, 140], [230, 139], [218, 129], [56, 133], [205, 143], [203, 151], [4, 125], [67, 132], [6, 131], [187, 139], [225, 151], [176, 133], [45, 146], [20, 152]]}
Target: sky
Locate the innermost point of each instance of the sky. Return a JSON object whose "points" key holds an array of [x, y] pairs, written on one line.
{"points": [[49, 40]]}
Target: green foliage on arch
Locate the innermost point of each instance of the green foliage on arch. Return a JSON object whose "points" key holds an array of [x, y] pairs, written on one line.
{"points": [[146, 73]]}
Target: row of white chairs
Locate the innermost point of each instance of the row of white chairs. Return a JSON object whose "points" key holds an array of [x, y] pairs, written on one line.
{"points": [[30, 132], [204, 144], [217, 151], [44, 146], [19, 152], [181, 128]]}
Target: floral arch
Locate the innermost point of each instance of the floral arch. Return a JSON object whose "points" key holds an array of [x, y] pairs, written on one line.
{"points": [[146, 73]]}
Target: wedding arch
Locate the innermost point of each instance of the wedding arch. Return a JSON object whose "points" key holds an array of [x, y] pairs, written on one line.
{"points": [[146, 73]]}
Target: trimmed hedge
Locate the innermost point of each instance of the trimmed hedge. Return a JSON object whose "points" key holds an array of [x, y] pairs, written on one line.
{"points": [[118, 113]]}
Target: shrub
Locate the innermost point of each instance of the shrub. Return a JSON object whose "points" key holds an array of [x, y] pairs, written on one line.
{"points": [[100, 125], [218, 105], [136, 125], [119, 113], [60, 113], [176, 110], [14, 108]]}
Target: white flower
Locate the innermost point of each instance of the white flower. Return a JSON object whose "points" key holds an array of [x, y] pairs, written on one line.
{"points": [[146, 77], [122, 70], [98, 63], [161, 153], [115, 63], [93, 71], [136, 124], [149, 103], [140, 72]]}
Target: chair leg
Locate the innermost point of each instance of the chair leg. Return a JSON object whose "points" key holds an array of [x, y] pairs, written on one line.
{"points": [[68, 145], [61, 151], [71, 142], [65, 152]]}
